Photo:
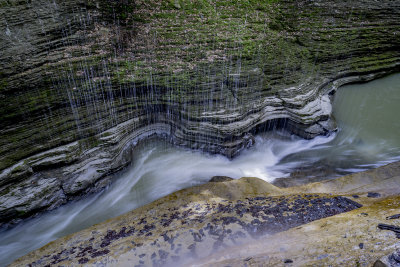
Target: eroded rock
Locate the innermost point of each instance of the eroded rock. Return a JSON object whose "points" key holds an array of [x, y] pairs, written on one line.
{"points": [[192, 223], [94, 77]]}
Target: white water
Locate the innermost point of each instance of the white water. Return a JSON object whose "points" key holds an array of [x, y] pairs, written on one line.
{"points": [[368, 136]]}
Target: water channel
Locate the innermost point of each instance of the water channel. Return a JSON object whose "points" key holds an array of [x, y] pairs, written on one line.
{"points": [[368, 136]]}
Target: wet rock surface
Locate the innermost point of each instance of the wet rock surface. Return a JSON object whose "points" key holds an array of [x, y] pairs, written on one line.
{"points": [[390, 260], [393, 228], [245, 222], [173, 230], [81, 82], [348, 239]]}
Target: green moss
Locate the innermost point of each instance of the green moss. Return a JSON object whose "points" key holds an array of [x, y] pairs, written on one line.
{"points": [[106, 134], [21, 213], [17, 169], [89, 142], [5, 191], [3, 85], [6, 3], [186, 48], [121, 10]]}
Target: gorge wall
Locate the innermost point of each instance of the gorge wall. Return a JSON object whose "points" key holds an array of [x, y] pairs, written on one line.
{"points": [[82, 81]]}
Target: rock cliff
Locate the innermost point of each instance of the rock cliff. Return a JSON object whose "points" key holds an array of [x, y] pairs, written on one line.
{"points": [[82, 81]]}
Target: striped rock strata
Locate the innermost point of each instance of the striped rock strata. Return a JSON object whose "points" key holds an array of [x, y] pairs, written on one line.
{"points": [[81, 82]]}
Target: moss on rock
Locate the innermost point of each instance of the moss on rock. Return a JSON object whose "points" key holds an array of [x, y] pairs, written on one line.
{"points": [[213, 71]]}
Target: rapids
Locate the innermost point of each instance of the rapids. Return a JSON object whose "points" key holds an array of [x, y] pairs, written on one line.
{"points": [[367, 137]]}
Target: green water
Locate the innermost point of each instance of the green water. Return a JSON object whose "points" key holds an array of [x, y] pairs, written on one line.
{"points": [[368, 136], [368, 118], [370, 113]]}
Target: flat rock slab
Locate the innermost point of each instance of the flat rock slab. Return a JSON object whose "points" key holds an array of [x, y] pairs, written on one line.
{"points": [[174, 231], [347, 239], [244, 222]]}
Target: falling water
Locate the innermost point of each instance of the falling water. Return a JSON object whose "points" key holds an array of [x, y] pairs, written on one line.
{"points": [[367, 137]]}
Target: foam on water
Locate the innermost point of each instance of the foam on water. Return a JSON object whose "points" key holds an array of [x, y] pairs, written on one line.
{"points": [[159, 169]]}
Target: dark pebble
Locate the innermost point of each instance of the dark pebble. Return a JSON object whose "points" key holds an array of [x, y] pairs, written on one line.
{"points": [[361, 245], [395, 257], [355, 196], [247, 259], [288, 261], [396, 216], [83, 260], [373, 194]]}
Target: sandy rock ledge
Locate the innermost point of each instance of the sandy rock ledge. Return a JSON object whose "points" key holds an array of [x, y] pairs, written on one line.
{"points": [[245, 222]]}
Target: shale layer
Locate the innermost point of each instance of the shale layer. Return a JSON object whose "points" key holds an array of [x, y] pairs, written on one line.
{"points": [[81, 82]]}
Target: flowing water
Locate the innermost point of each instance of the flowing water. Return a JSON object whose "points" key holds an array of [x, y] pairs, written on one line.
{"points": [[368, 136]]}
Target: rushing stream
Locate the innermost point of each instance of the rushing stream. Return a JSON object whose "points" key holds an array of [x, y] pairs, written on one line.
{"points": [[368, 136]]}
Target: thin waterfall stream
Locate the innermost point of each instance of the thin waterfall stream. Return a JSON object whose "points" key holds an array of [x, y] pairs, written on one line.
{"points": [[368, 136]]}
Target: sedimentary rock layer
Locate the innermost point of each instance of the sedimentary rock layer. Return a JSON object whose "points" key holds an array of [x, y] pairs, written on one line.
{"points": [[82, 81]]}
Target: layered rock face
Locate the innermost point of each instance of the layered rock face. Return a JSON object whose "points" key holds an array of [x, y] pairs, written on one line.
{"points": [[81, 82]]}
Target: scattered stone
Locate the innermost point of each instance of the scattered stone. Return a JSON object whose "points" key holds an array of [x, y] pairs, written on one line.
{"points": [[396, 216], [391, 260], [288, 261], [256, 215], [373, 194], [355, 196], [395, 257], [83, 260], [388, 227], [208, 222]]}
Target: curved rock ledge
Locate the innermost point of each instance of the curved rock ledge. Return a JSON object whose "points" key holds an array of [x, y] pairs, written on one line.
{"points": [[214, 222], [82, 81]]}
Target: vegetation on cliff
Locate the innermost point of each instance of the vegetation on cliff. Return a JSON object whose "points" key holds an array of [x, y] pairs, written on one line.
{"points": [[80, 79]]}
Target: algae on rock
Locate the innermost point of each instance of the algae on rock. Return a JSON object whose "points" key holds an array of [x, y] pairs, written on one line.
{"points": [[82, 81]]}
